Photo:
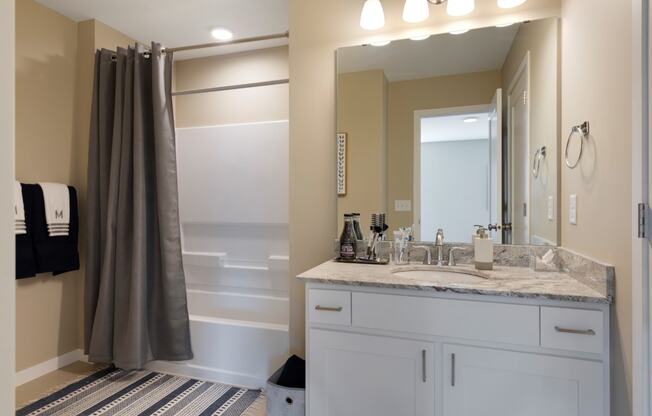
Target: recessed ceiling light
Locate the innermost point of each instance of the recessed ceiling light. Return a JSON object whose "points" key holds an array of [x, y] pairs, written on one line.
{"points": [[508, 4], [381, 42], [471, 120], [222, 34], [458, 31], [506, 24], [419, 37]]}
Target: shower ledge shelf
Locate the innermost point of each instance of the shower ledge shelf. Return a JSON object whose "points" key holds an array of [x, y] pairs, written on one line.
{"points": [[219, 260]]}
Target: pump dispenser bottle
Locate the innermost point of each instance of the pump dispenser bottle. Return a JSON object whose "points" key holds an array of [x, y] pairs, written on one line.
{"points": [[483, 249]]}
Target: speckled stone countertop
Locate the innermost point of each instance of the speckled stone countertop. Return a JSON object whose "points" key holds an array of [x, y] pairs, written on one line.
{"points": [[578, 279]]}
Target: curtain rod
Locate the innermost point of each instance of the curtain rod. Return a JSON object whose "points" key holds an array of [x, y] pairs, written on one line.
{"points": [[230, 42], [232, 87]]}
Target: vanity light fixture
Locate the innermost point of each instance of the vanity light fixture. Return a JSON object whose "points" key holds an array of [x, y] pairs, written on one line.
{"points": [[415, 11], [380, 43], [508, 4], [420, 37], [373, 16], [222, 34], [460, 7], [471, 120]]}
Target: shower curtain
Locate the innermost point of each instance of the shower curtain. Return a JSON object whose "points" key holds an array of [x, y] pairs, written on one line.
{"points": [[135, 295]]}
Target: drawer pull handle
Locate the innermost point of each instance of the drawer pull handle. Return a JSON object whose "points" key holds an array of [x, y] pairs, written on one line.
{"points": [[328, 308], [453, 370], [423, 365], [575, 331]]}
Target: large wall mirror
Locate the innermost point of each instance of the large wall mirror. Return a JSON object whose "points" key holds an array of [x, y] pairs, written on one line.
{"points": [[454, 130]]}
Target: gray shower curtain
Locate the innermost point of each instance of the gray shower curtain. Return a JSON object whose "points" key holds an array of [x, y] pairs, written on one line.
{"points": [[135, 295]]}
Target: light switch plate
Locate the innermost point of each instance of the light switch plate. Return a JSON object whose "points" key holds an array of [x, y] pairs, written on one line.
{"points": [[572, 209], [402, 205], [551, 208]]}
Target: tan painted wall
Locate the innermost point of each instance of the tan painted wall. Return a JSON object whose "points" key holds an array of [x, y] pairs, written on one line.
{"points": [[361, 113], [7, 241], [317, 30], [237, 106], [54, 76], [596, 86], [541, 39], [406, 97], [47, 315]]}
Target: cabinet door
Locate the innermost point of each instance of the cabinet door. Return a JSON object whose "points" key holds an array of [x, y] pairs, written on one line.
{"points": [[352, 374], [487, 382]]}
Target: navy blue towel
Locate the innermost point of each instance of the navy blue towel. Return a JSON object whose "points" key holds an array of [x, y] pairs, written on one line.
{"points": [[25, 260], [55, 254]]}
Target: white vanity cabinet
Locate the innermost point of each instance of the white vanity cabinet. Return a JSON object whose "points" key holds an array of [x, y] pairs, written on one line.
{"points": [[376, 352]]}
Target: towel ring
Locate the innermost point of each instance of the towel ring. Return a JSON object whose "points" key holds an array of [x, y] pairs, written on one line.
{"points": [[536, 160], [583, 130]]}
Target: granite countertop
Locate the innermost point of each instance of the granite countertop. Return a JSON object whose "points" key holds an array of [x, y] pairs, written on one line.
{"points": [[510, 281]]}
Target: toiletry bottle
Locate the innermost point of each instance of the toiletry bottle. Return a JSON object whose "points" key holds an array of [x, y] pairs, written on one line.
{"points": [[348, 240], [356, 226], [483, 249]]}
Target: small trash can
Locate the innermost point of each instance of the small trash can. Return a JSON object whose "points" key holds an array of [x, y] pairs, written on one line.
{"points": [[284, 401]]}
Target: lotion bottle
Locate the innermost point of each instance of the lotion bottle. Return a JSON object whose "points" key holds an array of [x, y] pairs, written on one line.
{"points": [[483, 249]]}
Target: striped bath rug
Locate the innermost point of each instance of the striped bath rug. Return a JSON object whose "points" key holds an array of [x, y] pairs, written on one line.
{"points": [[144, 393]]}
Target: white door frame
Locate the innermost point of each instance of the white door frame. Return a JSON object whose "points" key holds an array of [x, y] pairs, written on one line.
{"points": [[416, 158], [7, 239], [640, 194], [523, 70]]}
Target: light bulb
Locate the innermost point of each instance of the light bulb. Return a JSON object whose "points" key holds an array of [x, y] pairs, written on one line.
{"points": [[507, 4], [372, 16], [460, 7], [222, 34], [415, 11]]}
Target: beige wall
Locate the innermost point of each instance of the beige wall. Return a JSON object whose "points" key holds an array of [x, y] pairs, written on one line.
{"points": [[541, 39], [47, 315], [317, 29], [596, 86], [362, 115], [7, 241], [54, 75], [406, 97], [236, 106]]}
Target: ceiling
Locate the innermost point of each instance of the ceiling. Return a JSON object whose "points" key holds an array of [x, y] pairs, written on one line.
{"points": [[453, 128], [446, 54], [179, 23]]}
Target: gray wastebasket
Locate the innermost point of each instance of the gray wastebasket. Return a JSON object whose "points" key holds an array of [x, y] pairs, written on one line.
{"points": [[284, 401]]}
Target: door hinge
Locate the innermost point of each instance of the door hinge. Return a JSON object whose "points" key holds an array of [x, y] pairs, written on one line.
{"points": [[643, 220]]}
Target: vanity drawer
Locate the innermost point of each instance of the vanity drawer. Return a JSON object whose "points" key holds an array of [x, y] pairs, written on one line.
{"points": [[486, 321], [329, 307], [572, 329]]}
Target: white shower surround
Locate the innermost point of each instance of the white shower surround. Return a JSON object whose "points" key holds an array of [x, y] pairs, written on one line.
{"points": [[233, 197]]}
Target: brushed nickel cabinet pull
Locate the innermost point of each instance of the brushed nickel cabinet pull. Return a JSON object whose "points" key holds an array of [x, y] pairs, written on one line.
{"points": [[453, 369], [328, 308], [423, 365], [575, 331]]}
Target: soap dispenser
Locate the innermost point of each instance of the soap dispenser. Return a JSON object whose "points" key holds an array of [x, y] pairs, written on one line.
{"points": [[483, 249]]}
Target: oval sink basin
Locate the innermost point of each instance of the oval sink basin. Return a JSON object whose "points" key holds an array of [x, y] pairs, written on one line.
{"points": [[449, 276]]}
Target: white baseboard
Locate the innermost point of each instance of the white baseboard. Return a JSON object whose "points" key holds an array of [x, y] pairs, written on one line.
{"points": [[41, 369], [198, 372]]}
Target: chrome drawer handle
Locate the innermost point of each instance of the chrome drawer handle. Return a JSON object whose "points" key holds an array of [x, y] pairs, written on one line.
{"points": [[575, 331], [328, 308]]}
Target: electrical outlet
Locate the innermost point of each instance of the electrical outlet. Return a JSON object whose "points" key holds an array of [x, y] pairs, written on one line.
{"points": [[402, 205], [551, 208], [572, 209]]}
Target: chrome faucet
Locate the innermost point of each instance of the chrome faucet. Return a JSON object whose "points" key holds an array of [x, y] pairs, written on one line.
{"points": [[451, 255], [439, 247], [427, 259]]}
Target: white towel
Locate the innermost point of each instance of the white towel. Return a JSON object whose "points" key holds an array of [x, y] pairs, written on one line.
{"points": [[56, 198], [19, 210]]}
